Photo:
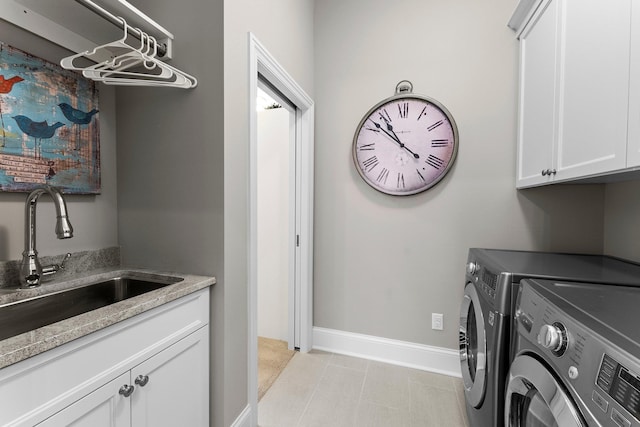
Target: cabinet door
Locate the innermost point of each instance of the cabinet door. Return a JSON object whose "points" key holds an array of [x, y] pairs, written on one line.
{"points": [[594, 81], [177, 390], [104, 407], [633, 143], [537, 109]]}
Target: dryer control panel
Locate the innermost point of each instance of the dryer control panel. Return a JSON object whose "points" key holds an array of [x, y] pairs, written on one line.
{"points": [[495, 287]]}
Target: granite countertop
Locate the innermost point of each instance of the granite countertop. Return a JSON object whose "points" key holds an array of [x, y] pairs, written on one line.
{"points": [[23, 346]]}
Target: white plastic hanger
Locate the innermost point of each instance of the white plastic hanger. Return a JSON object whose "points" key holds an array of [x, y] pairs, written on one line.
{"points": [[114, 48], [153, 72], [121, 65], [129, 59], [122, 68]]}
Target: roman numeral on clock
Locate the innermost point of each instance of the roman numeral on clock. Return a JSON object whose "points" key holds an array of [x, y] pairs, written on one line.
{"points": [[400, 183], [367, 147], [422, 113], [420, 175], [383, 175], [435, 125], [370, 163], [439, 143], [384, 115], [403, 110], [434, 161]]}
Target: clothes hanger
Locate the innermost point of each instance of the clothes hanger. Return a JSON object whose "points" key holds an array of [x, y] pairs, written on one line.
{"points": [[119, 69], [124, 61], [176, 78], [123, 64], [111, 48]]}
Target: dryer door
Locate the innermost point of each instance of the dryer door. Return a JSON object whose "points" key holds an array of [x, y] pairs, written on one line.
{"points": [[534, 398], [473, 347]]}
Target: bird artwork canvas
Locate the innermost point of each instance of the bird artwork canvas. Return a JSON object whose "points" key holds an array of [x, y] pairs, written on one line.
{"points": [[49, 126]]}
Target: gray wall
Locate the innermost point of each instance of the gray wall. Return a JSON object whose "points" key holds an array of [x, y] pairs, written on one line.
{"points": [[285, 28], [94, 218], [383, 264], [183, 162], [170, 177]]}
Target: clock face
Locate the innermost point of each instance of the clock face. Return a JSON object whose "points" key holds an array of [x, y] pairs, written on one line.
{"points": [[405, 144]]}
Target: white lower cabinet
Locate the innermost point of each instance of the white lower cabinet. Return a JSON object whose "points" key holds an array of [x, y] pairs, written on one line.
{"points": [[173, 394], [104, 407], [164, 390], [150, 370]]}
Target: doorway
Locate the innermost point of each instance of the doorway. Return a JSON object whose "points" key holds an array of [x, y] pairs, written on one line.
{"points": [[265, 71], [277, 254]]}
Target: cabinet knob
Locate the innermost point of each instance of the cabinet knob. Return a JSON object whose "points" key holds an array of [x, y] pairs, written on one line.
{"points": [[545, 172], [552, 172], [142, 380], [126, 390]]}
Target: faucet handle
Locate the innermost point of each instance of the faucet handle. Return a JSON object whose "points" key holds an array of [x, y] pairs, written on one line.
{"points": [[54, 268], [64, 260]]}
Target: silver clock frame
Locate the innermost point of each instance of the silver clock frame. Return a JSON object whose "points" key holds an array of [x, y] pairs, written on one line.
{"points": [[406, 93]]}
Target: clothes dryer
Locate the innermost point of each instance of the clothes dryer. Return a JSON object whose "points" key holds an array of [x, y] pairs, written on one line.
{"points": [[578, 356], [492, 275]]}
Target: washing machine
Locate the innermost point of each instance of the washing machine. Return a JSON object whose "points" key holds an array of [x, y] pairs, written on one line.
{"points": [[577, 358], [492, 278]]}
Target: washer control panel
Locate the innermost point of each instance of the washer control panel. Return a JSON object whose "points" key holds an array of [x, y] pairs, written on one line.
{"points": [[602, 378], [621, 384]]}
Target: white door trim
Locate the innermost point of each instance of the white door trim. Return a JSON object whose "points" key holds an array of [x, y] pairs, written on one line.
{"points": [[261, 61]]}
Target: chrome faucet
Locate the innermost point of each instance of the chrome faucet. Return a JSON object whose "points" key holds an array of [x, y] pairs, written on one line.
{"points": [[31, 271]]}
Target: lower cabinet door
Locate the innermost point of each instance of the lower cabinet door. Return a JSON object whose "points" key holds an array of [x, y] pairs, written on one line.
{"points": [[172, 387], [104, 407]]}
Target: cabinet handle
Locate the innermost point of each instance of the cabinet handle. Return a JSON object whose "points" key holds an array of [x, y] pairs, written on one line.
{"points": [[553, 172], [126, 390], [142, 380], [545, 172]]}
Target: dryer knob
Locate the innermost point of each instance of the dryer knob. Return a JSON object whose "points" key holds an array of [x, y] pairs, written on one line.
{"points": [[552, 338], [472, 268]]}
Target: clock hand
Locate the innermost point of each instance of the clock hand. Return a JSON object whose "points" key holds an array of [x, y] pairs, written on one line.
{"points": [[390, 128], [394, 137]]}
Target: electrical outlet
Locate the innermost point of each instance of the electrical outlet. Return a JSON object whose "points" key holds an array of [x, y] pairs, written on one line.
{"points": [[437, 321]]}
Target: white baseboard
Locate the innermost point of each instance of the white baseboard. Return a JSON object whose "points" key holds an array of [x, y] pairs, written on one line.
{"points": [[418, 356], [244, 419]]}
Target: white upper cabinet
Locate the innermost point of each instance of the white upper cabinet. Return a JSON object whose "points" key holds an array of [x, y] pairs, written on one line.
{"points": [[633, 147], [574, 91], [537, 109]]}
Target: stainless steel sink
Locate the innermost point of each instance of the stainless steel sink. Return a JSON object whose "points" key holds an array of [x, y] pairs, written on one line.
{"points": [[26, 315]]}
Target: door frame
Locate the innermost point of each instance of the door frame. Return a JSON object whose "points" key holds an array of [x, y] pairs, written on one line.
{"points": [[261, 61]]}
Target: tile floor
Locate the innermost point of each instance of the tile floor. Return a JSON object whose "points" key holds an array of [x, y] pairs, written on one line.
{"points": [[330, 390]]}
